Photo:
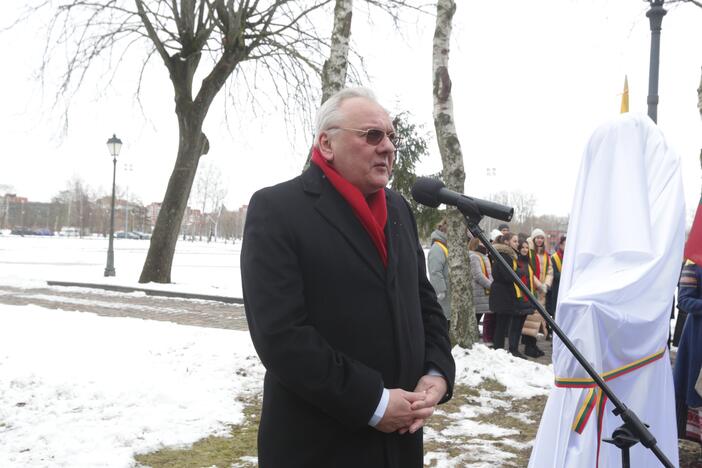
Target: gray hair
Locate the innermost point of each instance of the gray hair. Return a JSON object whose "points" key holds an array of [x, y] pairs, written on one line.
{"points": [[329, 114]]}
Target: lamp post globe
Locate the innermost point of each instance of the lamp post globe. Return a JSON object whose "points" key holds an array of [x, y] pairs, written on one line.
{"points": [[114, 145]]}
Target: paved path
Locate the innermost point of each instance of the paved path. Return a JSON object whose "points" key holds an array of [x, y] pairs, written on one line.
{"points": [[199, 313]]}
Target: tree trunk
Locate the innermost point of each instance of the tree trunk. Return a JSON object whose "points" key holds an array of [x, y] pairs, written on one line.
{"points": [[336, 66], [464, 330], [192, 144]]}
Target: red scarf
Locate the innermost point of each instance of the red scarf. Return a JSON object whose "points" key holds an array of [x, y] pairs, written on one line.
{"points": [[527, 277], [371, 211], [537, 262]]}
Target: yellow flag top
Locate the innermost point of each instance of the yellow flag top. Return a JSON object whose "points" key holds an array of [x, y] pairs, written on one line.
{"points": [[625, 96]]}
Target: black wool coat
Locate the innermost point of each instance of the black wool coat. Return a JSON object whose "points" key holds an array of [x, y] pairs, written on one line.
{"points": [[523, 307], [333, 326], [503, 297]]}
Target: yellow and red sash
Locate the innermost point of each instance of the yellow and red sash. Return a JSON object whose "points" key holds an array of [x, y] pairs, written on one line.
{"points": [[543, 267], [531, 280], [539, 265], [595, 398], [443, 247], [557, 260], [484, 268]]}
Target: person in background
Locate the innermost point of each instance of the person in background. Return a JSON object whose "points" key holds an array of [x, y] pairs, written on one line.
{"points": [[524, 307], [557, 266], [522, 237], [540, 263], [688, 361], [674, 339], [494, 234], [503, 228], [504, 295], [437, 265], [482, 281]]}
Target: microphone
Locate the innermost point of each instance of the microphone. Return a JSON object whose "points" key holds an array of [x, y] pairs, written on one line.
{"points": [[433, 192]]}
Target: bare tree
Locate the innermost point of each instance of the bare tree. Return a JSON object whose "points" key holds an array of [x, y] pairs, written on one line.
{"points": [[522, 202], [277, 37], [336, 66], [464, 329], [209, 194]]}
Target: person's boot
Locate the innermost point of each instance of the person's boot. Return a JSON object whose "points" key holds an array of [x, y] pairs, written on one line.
{"points": [[516, 353], [531, 351]]}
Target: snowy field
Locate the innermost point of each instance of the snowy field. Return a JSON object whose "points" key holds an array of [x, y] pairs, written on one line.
{"points": [[81, 390], [78, 390], [198, 267]]}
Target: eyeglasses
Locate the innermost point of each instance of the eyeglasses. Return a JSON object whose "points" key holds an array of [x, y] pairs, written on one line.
{"points": [[374, 136]]}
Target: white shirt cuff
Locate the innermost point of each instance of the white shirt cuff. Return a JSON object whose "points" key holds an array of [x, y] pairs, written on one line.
{"points": [[435, 371], [380, 409]]}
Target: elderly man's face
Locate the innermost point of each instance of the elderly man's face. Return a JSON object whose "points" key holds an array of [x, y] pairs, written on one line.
{"points": [[366, 166]]}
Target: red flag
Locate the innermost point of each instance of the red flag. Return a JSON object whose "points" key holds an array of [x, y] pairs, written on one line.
{"points": [[693, 246]]}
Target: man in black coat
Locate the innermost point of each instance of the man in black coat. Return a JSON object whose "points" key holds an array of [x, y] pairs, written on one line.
{"points": [[340, 310]]}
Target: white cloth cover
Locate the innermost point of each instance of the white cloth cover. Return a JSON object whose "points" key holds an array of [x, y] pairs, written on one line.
{"points": [[620, 270]]}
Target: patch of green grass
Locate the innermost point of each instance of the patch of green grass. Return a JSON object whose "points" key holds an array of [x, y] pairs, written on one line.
{"points": [[462, 395], [500, 416], [223, 452], [212, 451], [526, 430]]}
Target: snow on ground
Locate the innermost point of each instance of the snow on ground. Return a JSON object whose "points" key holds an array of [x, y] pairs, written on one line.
{"points": [[77, 389], [198, 267], [478, 439], [82, 390], [523, 378]]}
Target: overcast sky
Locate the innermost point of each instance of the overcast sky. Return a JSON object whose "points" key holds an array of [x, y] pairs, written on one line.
{"points": [[531, 81]]}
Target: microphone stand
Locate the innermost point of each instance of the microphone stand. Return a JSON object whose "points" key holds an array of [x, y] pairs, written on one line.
{"points": [[633, 430]]}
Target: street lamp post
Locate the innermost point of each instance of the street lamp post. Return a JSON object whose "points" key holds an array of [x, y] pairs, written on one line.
{"points": [[655, 17], [114, 145]]}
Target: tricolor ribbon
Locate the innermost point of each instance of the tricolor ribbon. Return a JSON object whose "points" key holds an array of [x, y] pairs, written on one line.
{"points": [[559, 261], [595, 397]]}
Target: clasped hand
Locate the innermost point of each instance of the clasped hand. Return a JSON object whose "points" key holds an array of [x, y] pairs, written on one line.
{"points": [[408, 411]]}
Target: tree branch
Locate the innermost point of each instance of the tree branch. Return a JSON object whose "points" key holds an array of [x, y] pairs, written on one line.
{"points": [[153, 35]]}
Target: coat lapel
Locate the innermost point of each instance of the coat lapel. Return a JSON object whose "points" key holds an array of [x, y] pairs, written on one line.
{"points": [[332, 206], [391, 237]]}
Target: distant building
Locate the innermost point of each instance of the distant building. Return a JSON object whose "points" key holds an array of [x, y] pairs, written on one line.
{"points": [[152, 211], [12, 211]]}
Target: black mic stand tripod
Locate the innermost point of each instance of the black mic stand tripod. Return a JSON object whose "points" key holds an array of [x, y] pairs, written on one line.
{"points": [[633, 430]]}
